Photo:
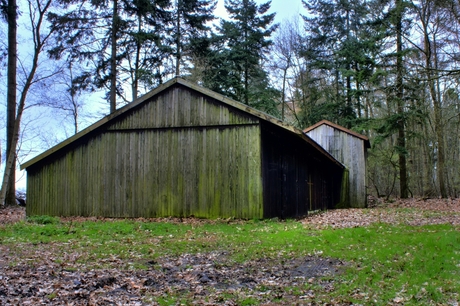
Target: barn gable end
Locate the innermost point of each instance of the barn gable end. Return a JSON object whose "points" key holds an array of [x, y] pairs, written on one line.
{"points": [[180, 150], [179, 107], [350, 148]]}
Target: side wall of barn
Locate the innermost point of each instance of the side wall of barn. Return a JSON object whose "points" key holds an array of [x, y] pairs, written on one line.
{"points": [[297, 177], [350, 151], [181, 154]]}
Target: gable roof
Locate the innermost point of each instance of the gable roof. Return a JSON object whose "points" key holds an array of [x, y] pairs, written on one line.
{"points": [[367, 143], [221, 98]]}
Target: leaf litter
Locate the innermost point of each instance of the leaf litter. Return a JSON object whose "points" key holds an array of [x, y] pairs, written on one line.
{"points": [[201, 278], [205, 278], [408, 211]]}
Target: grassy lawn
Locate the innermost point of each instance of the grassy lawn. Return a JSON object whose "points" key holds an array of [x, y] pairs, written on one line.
{"points": [[381, 264]]}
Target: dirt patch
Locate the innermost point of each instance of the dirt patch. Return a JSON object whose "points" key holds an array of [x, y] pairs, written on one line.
{"points": [[203, 278]]}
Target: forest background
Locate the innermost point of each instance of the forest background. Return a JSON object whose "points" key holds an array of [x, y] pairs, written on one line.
{"points": [[386, 69]]}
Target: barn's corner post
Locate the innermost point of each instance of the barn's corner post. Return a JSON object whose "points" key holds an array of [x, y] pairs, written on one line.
{"points": [[344, 190]]}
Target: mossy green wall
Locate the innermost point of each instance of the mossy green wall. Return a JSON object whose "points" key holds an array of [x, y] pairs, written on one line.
{"points": [[180, 154]]}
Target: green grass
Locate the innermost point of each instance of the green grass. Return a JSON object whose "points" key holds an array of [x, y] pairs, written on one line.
{"points": [[416, 265]]}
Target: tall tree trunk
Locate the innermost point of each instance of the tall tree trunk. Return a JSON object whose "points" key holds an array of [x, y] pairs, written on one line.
{"points": [[135, 85], [39, 41], [178, 38], [358, 92], [246, 68], [10, 166], [113, 59], [401, 142], [337, 85], [349, 107], [438, 125], [283, 92], [74, 100], [11, 101]]}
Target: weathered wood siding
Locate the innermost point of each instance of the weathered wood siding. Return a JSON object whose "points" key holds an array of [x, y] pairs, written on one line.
{"points": [[180, 154], [181, 107], [297, 177], [350, 151]]}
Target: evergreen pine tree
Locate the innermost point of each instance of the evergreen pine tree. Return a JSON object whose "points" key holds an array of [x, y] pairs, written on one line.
{"points": [[145, 47], [344, 40], [190, 28], [236, 66]]}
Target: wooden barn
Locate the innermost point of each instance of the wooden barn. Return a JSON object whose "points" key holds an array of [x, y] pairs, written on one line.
{"points": [[182, 150], [350, 148]]}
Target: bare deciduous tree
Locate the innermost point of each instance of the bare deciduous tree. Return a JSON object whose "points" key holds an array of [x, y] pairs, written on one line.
{"points": [[37, 10]]}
